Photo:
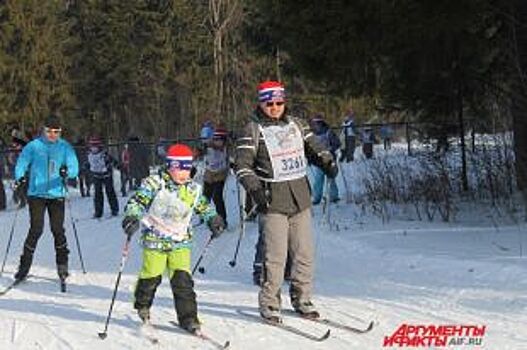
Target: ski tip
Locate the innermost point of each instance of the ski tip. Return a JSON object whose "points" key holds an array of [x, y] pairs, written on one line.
{"points": [[227, 344], [325, 336], [102, 335], [370, 326]]}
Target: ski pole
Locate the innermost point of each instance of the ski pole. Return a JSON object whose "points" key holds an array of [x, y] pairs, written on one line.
{"points": [[201, 255], [9, 241], [232, 263], [325, 205], [241, 207], [74, 226], [345, 181], [124, 256]]}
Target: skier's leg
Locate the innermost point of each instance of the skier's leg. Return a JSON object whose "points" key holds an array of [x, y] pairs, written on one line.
{"points": [[110, 194], [217, 196], [301, 250], [98, 197], [154, 264], [258, 259], [318, 184], [37, 206], [2, 194], [56, 221], [275, 229], [82, 183], [333, 190], [124, 180], [183, 289]]}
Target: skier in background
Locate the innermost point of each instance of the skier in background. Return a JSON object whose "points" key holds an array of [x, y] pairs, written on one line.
{"points": [[47, 176], [349, 133], [101, 171], [367, 139], [124, 168], [216, 170], [326, 137]]}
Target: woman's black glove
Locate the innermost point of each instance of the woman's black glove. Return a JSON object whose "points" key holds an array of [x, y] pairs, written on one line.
{"points": [[260, 199]]}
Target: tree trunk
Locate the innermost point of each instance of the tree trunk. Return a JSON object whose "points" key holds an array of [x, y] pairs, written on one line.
{"points": [[519, 100]]}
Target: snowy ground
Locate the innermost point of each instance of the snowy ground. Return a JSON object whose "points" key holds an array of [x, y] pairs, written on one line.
{"points": [[470, 272]]}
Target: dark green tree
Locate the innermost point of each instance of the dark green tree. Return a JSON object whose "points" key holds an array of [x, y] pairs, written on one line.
{"points": [[33, 63]]}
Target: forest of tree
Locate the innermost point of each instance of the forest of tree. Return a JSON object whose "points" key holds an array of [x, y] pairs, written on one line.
{"points": [[156, 68]]}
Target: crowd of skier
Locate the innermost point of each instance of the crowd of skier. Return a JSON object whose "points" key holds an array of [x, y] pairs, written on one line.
{"points": [[271, 158]]}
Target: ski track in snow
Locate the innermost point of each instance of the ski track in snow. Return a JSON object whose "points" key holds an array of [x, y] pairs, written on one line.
{"points": [[399, 272]]}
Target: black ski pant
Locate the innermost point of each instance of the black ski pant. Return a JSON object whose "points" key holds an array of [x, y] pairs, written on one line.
{"points": [[126, 179], [214, 191], [182, 290], [349, 149], [98, 200], [37, 208], [2, 195]]}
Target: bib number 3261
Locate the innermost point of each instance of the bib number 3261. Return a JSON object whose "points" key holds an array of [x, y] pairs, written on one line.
{"points": [[292, 163]]}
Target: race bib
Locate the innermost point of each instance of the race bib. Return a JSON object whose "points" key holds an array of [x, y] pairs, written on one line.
{"points": [[286, 150], [168, 217], [97, 162]]}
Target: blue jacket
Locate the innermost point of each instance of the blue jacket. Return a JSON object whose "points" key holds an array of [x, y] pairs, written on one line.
{"points": [[43, 160]]}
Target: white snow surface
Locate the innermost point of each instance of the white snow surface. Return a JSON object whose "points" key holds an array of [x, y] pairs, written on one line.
{"points": [[471, 272]]}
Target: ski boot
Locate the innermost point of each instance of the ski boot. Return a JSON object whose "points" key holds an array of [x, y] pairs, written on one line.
{"points": [[271, 314], [307, 310]]}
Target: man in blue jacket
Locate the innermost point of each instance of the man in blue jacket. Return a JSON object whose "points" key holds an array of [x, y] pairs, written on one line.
{"points": [[49, 161]]}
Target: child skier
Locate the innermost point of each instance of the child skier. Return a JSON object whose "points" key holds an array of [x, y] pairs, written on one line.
{"points": [[216, 170], [163, 206], [101, 170]]}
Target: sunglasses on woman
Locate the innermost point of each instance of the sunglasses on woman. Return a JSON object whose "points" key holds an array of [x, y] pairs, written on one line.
{"points": [[52, 131], [271, 104]]}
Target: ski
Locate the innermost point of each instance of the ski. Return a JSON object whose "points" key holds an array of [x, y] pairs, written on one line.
{"points": [[11, 286], [204, 337], [335, 324], [340, 325], [288, 328], [148, 332]]}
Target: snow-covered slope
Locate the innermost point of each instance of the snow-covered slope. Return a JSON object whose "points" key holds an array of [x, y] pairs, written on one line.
{"points": [[403, 272]]}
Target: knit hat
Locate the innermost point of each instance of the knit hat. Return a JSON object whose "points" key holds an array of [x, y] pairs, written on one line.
{"points": [[317, 118], [94, 141], [179, 156], [220, 133], [52, 122], [271, 91]]}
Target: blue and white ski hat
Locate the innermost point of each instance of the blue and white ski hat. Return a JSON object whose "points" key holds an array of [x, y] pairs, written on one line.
{"points": [[271, 90]]}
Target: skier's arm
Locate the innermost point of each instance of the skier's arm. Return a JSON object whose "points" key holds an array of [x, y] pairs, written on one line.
{"points": [[141, 200], [316, 152], [112, 162], [23, 162], [71, 162], [204, 210], [244, 158]]}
